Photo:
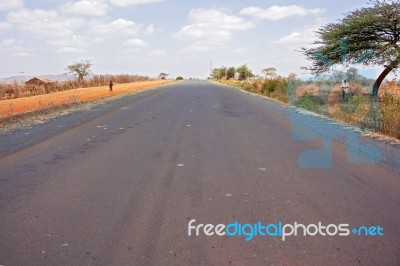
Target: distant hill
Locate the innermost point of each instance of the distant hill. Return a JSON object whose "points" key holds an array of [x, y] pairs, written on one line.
{"points": [[21, 79]]}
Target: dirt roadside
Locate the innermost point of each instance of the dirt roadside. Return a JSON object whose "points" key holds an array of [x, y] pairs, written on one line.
{"points": [[18, 106]]}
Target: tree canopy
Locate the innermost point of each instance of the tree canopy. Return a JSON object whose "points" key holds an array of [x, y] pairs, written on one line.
{"points": [[163, 75], [230, 73], [80, 69], [367, 36], [244, 72], [269, 72], [219, 73]]}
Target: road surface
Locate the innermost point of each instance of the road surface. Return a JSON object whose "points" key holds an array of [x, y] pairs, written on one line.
{"points": [[121, 188]]}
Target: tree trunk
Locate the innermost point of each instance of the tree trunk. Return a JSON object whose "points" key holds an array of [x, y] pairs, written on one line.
{"points": [[382, 76]]}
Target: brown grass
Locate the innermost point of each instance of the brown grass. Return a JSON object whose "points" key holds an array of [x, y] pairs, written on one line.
{"points": [[310, 89], [390, 88], [390, 109], [359, 110], [17, 90], [27, 104]]}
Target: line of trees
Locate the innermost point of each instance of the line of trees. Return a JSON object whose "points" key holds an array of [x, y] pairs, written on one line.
{"points": [[242, 72]]}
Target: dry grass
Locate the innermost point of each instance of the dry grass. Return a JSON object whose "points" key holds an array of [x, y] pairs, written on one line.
{"points": [[17, 90], [358, 110], [390, 88], [9, 107], [390, 109], [309, 89]]}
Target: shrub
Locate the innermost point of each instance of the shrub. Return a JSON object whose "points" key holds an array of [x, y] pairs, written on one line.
{"points": [[247, 86], [309, 102], [179, 78]]}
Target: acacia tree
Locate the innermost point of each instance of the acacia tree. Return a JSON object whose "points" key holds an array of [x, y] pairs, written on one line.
{"points": [[80, 69], [244, 72], [163, 75], [369, 36], [269, 72]]}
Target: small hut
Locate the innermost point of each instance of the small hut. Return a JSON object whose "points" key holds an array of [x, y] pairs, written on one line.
{"points": [[39, 85], [39, 81]]}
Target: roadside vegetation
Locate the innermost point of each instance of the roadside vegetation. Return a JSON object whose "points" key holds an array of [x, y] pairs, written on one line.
{"points": [[367, 36], [84, 79], [323, 95]]}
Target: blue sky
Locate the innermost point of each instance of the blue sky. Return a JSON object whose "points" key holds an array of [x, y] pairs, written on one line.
{"points": [[152, 36]]}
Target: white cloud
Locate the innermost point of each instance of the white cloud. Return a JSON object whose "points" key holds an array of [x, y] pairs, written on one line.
{"points": [[116, 28], [135, 43], [85, 7], [197, 49], [9, 43], [4, 26], [14, 47], [150, 29], [292, 38], [274, 13], [42, 23], [8, 5], [23, 54], [125, 3], [55, 29], [70, 50], [211, 28], [240, 50], [158, 53], [75, 41], [302, 37]]}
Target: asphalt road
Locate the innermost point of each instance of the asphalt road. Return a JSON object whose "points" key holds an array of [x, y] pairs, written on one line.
{"points": [[121, 188]]}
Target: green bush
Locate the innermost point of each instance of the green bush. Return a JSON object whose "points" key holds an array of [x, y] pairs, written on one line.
{"points": [[179, 78], [309, 102]]}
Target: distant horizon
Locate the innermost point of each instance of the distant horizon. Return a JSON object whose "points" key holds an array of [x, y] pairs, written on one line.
{"points": [[369, 74]]}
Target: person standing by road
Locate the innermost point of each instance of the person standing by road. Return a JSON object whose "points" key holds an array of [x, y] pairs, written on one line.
{"points": [[111, 85], [345, 89]]}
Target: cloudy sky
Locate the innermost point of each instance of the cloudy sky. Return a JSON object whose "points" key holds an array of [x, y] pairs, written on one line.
{"points": [[152, 36]]}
